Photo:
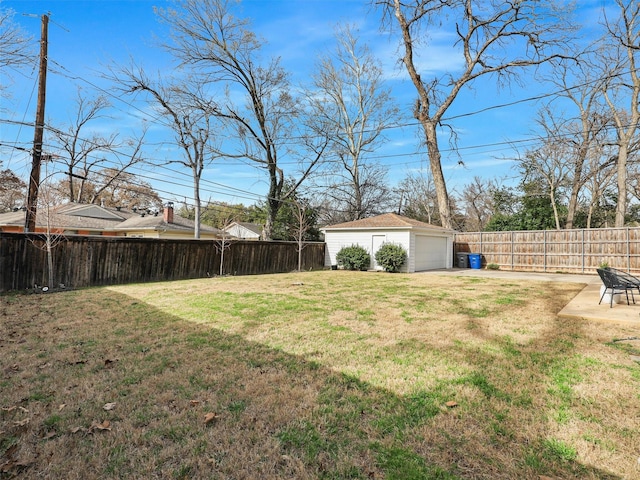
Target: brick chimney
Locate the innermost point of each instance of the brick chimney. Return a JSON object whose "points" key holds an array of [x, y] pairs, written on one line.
{"points": [[168, 212]]}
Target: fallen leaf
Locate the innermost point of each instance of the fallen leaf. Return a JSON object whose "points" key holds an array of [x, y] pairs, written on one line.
{"points": [[76, 429], [8, 409], [451, 404], [61, 407], [21, 423], [109, 406], [194, 403], [106, 425], [210, 417], [22, 409], [49, 436]]}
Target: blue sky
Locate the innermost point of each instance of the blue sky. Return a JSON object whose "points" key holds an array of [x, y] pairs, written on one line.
{"points": [[85, 36]]}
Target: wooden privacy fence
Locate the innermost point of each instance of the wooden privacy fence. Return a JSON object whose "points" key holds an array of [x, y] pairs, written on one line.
{"points": [[80, 261], [571, 251]]}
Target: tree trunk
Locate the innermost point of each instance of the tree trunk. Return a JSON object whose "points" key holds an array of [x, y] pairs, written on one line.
{"points": [[554, 205], [196, 197], [273, 206], [621, 207], [575, 188], [436, 172]]}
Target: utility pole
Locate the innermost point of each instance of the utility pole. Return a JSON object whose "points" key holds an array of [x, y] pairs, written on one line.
{"points": [[34, 178]]}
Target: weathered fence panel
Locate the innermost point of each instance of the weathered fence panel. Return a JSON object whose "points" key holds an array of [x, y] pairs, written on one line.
{"points": [[571, 251], [80, 261]]}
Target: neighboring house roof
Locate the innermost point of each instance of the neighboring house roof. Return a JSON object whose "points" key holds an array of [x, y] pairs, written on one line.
{"points": [[387, 220], [244, 229], [74, 216], [71, 216], [13, 218], [157, 222], [254, 227]]}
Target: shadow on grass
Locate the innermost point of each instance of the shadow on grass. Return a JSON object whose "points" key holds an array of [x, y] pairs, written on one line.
{"points": [[190, 401]]}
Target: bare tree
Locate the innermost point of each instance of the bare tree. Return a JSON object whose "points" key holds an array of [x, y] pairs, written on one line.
{"points": [[115, 188], [584, 130], [419, 199], [373, 194], [620, 58], [301, 227], [110, 177], [225, 240], [601, 177], [496, 39], [51, 229], [15, 45], [12, 190], [547, 167], [189, 112], [84, 152], [207, 36], [477, 200], [350, 104]]}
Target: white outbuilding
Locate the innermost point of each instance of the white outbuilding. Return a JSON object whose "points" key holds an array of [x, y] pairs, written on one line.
{"points": [[428, 247]]}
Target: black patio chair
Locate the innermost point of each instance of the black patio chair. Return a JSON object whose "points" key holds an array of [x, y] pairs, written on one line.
{"points": [[627, 277], [615, 284]]}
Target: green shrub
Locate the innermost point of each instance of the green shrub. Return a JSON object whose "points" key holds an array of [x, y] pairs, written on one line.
{"points": [[391, 257], [353, 258], [493, 266]]}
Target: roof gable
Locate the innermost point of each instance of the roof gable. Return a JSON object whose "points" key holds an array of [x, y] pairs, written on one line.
{"points": [[245, 226], [387, 220]]}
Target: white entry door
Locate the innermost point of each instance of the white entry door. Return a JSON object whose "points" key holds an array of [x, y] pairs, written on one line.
{"points": [[376, 242]]}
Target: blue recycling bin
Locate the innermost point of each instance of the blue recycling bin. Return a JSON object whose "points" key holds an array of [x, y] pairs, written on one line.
{"points": [[475, 261]]}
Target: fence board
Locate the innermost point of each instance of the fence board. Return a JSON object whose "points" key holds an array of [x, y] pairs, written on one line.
{"points": [[571, 251], [89, 261]]}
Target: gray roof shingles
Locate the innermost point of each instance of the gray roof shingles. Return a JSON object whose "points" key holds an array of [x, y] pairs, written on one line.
{"points": [[74, 216], [387, 220]]}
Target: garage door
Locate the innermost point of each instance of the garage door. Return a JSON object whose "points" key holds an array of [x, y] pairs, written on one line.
{"points": [[430, 253]]}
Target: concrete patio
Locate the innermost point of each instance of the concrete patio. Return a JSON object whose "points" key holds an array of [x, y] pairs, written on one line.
{"points": [[583, 306]]}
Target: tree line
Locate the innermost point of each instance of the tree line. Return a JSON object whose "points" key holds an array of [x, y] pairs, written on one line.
{"points": [[315, 144]]}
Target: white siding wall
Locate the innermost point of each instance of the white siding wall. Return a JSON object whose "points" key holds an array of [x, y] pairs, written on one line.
{"points": [[241, 232], [336, 240]]}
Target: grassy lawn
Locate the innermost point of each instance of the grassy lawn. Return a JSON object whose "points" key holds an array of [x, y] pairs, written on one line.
{"points": [[327, 375]]}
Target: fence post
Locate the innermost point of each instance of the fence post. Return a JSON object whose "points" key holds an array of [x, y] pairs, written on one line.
{"points": [[582, 249], [512, 261], [544, 254], [628, 251]]}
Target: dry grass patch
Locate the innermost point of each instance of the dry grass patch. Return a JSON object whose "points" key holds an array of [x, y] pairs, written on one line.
{"points": [[316, 375]]}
